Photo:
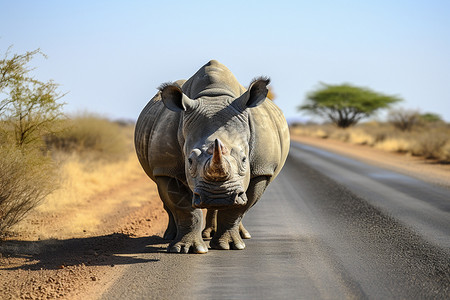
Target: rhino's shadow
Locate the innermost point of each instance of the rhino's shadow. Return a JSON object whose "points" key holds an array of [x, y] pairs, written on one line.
{"points": [[113, 249]]}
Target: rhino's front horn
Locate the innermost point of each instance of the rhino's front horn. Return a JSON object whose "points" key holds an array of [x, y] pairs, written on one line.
{"points": [[217, 168]]}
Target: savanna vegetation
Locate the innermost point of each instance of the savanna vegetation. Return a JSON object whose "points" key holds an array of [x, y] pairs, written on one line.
{"points": [[427, 139], [46, 156], [406, 131]]}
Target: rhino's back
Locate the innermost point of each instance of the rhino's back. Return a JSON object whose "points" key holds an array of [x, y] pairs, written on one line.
{"points": [[213, 79], [156, 140], [270, 140]]}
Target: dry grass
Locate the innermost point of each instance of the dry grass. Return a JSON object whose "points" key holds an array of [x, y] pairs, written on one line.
{"points": [[430, 141], [87, 194], [82, 180], [90, 156], [91, 137], [86, 173], [88, 185], [395, 144]]}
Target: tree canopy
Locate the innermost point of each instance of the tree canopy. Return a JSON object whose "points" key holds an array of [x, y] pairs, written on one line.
{"points": [[345, 104], [430, 117]]}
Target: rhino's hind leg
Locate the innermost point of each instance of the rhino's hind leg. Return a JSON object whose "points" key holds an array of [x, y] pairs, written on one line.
{"points": [[227, 235], [178, 198], [171, 231], [244, 232], [230, 230], [211, 224]]}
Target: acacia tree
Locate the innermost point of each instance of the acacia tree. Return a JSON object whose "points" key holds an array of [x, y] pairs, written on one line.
{"points": [[345, 104]]}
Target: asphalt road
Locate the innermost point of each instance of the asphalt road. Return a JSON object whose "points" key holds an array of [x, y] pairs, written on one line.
{"points": [[328, 228]]}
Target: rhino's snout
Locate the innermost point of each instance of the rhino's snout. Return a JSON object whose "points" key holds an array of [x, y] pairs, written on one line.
{"points": [[203, 199]]}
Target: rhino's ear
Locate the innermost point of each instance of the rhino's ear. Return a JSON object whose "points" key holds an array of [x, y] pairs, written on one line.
{"points": [[174, 98], [256, 93]]}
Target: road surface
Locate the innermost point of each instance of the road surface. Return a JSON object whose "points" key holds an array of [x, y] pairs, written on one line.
{"points": [[329, 227]]}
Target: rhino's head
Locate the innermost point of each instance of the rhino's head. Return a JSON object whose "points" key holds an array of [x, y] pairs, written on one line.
{"points": [[216, 141]]}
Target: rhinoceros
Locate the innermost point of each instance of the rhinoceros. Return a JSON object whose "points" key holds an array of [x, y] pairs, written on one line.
{"points": [[209, 143]]}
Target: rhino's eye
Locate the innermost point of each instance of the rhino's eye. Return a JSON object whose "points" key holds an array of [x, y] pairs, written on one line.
{"points": [[192, 161], [243, 165]]}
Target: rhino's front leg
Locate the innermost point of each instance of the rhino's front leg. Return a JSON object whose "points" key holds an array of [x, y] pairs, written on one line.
{"points": [[230, 230], [178, 199]]}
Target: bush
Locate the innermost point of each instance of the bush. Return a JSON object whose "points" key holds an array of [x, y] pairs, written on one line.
{"points": [[404, 119], [431, 145], [90, 136], [26, 178]]}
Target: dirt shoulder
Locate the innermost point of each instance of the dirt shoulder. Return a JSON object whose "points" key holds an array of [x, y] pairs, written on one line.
{"points": [[426, 170], [75, 262]]}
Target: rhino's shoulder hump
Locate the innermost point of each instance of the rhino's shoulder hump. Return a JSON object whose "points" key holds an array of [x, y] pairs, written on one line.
{"points": [[213, 79], [269, 140]]}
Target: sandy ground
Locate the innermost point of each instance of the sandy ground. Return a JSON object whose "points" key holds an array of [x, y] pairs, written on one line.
{"points": [[78, 252], [80, 262]]}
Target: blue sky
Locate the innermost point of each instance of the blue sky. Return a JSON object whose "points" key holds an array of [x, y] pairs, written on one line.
{"points": [[111, 55]]}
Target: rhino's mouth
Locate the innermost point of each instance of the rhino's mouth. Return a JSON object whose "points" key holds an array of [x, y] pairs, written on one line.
{"points": [[218, 196]]}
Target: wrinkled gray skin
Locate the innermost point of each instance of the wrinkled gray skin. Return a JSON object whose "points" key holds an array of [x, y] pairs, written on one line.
{"points": [[209, 143]]}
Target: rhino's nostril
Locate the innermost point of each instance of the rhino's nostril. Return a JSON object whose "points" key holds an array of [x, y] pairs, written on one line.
{"points": [[241, 198], [196, 202]]}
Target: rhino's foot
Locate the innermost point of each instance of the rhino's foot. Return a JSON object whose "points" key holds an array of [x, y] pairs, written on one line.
{"points": [[189, 243], [243, 232], [229, 239], [208, 232]]}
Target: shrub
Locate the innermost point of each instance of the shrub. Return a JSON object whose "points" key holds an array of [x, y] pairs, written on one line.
{"points": [[430, 145], [26, 178], [404, 119]]}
